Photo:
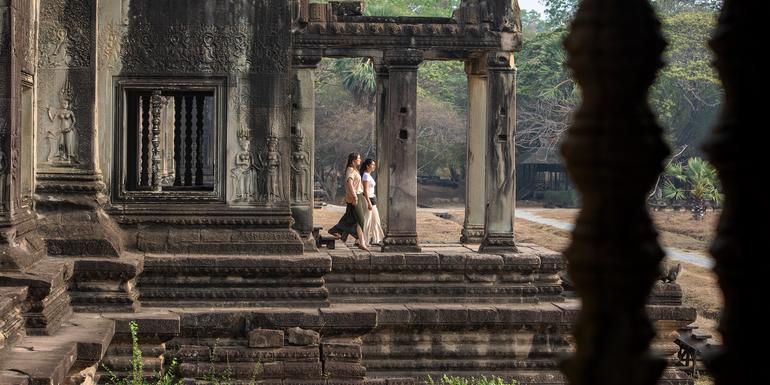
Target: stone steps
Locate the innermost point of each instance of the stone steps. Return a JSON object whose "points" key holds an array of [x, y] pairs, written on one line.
{"points": [[80, 343], [445, 275], [11, 317], [47, 304], [234, 281], [106, 284]]}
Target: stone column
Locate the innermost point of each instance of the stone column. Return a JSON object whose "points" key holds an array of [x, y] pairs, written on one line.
{"points": [[303, 144], [401, 148], [475, 175], [737, 144], [380, 124], [500, 172], [614, 151], [20, 245], [70, 190]]}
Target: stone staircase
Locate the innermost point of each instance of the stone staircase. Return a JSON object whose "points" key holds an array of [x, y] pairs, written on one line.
{"points": [[68, 357]]}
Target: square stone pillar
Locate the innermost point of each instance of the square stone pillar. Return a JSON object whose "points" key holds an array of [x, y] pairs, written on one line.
{"points": [[475, 175], [380, 124], [501, 170], [70, 192], [303, 144], [20, 246], [401, 150]]}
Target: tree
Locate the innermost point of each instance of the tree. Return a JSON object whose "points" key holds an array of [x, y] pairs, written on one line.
{"points": [[696, 182]]}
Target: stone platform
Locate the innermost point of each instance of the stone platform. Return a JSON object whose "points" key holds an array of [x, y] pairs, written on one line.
{"points": [[343, 316]]}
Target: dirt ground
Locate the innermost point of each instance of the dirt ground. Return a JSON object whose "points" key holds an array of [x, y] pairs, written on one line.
{"points": [[677, 229]]}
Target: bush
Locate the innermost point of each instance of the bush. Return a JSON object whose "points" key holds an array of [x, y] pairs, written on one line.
{"points": [[483, 380], [564, 198], [137, 369]]}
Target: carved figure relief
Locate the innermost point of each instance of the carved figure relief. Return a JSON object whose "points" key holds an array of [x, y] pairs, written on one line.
{"points": [[109, 45], [187, 48], [274, 180], [62, 133], [244, 171], [300, 169]]}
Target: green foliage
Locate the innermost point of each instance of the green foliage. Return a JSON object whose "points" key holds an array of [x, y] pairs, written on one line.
{"points": [[559, 12], [358, 77], [137, 369], [483, 380], [687, 95], [430, 8], [563, 198], [696, 182]]}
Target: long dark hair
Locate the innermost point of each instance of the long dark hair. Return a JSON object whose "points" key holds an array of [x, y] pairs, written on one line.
{"points": [[365, 165], [351, 157]]}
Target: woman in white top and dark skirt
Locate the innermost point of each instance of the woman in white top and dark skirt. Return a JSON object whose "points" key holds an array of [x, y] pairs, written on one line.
{"points": [[372, 227], [352, 223]]}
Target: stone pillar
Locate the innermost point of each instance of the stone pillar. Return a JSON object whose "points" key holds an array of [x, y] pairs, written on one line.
{"points": [[70, 192], [20, 246], [736, 145], [475, 174], [380, 124], [303, 144], [500, 171], [614, 151], [401, 148]]}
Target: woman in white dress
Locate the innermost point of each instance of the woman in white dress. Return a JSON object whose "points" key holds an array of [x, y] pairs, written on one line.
{"points": [[372, 227]]}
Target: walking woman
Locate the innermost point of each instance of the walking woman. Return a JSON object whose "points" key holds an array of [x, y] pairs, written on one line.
{"points": [[372, 227], [352, 223]]}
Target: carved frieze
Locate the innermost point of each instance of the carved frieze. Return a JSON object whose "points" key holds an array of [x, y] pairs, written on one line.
{"points": [[197, 48], [66, 34]]}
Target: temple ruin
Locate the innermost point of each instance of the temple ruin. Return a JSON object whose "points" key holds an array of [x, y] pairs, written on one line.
{"points": [[156, 164]]}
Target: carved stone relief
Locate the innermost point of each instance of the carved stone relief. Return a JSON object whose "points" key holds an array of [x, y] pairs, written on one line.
{"points": [[300, 168], [244, 172], [184, 48], [66, 39], [25, 35], [110, 38], [270, 160], [5, 166], [61, 132]]}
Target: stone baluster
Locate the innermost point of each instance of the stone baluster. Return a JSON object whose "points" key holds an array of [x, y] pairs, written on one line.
{"points": [[737, 147], [380, 124], [500, 183], [401, 142], [200, 103], [475, 179], [156, 102], [614, 152], [303, 144]]}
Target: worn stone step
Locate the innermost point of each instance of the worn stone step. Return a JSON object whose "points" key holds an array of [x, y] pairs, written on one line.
{"points": [[50, 360], [47, 303], [106, 285], [11, 317]]}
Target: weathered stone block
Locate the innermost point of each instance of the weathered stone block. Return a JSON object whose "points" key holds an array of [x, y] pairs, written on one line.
{"points": [[344, 369], [265, 338], [303, 369], [303, 337], [341, 351]]}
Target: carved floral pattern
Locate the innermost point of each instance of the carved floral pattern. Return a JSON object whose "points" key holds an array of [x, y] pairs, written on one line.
{"points": [[66, 38], [194, 48]]}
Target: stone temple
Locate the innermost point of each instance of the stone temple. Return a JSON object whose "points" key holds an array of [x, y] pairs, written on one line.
{"points": [[146, 153]]}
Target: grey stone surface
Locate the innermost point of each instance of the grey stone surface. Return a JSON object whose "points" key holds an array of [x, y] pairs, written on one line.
{"points": [[265, 338], [302, 337]]}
